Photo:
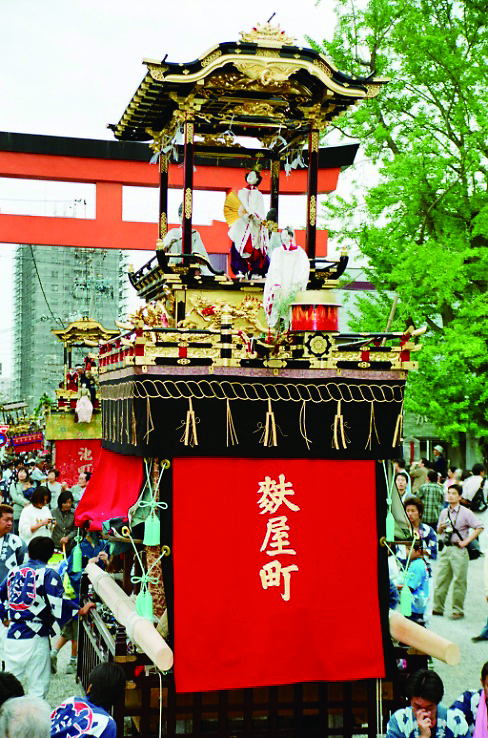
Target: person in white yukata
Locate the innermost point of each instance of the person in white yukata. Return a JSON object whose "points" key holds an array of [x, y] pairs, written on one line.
{"points": [[31, 599], [90, 715]]}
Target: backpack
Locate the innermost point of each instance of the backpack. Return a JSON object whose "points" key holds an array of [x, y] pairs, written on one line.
{"points": [[478, 503]]}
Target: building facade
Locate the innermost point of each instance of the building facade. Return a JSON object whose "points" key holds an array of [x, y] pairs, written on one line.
{"points": [[54, 286]]}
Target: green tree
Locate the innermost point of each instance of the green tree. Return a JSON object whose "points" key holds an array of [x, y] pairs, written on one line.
{"points": [[424, 224]]}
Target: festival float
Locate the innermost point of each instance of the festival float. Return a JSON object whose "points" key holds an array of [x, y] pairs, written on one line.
{"points": [[20, 433], [245, 439], [74, 421]]}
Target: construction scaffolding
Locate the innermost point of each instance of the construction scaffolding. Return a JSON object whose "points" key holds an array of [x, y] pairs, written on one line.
{"points": [[52, 287]]}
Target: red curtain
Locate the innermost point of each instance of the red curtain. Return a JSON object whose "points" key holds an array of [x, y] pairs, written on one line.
{"points": [[275, 572], [112, 490], [76, 456]]}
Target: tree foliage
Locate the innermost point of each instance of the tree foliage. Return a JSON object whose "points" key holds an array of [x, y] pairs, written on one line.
{"points": [[424, 225]]}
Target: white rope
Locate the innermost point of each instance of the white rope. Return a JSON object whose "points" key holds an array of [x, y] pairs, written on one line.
{"points": [[160, 704]]}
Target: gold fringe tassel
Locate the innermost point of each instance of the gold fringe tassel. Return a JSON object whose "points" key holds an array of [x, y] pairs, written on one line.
{"points": [[149, 420], [191, 438], [398, 432], [231, 434], [270, 437], [339, 439], [372, 427], [133, 427], [303, 424]]}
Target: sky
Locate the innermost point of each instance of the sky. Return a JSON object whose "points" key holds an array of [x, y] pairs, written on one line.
{"points": [[69, 67]]}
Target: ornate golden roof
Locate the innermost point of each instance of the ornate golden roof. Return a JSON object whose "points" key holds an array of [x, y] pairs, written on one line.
{"points": [[85, 332], [260, 86]]}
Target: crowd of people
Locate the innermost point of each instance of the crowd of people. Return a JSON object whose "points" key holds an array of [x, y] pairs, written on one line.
{"points": [[442, 504], [36, 521], [43, 504]]}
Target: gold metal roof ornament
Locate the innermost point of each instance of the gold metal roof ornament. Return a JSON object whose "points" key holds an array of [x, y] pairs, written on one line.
{"points": [[273, 35]]}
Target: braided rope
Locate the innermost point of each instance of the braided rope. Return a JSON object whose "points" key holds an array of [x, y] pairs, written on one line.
{"points": [[210, 389]]}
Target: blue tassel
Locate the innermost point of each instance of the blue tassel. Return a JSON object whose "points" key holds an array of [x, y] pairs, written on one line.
{"points": [[152, 531], [390, 526], [406, 601], [77, 559], [144, 605]]}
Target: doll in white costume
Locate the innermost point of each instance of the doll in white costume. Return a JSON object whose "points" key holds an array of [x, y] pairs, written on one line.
{"points": [[249, 234], [173, 244], [288, 274]]}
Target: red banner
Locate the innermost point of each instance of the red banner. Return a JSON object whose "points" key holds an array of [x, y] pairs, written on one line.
{"points": [[76, 456], [275, 572], [114, 487]]}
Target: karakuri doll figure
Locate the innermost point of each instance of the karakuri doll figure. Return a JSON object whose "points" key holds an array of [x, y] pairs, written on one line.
{"points": [[288, 274], [173, 244], [248, 232]]}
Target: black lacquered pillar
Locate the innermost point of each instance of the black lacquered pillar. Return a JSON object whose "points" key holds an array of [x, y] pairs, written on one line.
{"points": [[189, 131], [275, 186], [163, 195], [313, 168]]}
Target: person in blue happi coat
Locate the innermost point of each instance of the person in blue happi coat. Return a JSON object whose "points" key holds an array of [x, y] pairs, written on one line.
{"points": [[426, 716], [31, 599], [89, 715]]}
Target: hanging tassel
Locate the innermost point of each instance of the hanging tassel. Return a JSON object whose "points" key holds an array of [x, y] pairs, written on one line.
{"points": [[152, 530], [77, 565], [372, 427], [191, 426], [231, 434], [398, 428], [149, 420], [303, 424], [144, 604], [390, 526], [133, 439], [406, 601], [270, 437], [339, 439]]}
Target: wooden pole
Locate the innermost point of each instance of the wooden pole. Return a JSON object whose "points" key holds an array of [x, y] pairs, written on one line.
{"points": [[163, 195], [313, 168], [139, 630], [412, 634], [189, 130], [275, 185]]}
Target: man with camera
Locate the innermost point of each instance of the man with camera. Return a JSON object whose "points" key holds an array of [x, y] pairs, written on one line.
{"points": [[457, 527]]}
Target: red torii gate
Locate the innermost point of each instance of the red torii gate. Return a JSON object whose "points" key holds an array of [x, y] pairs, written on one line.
{"points": [[110, 165]]}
